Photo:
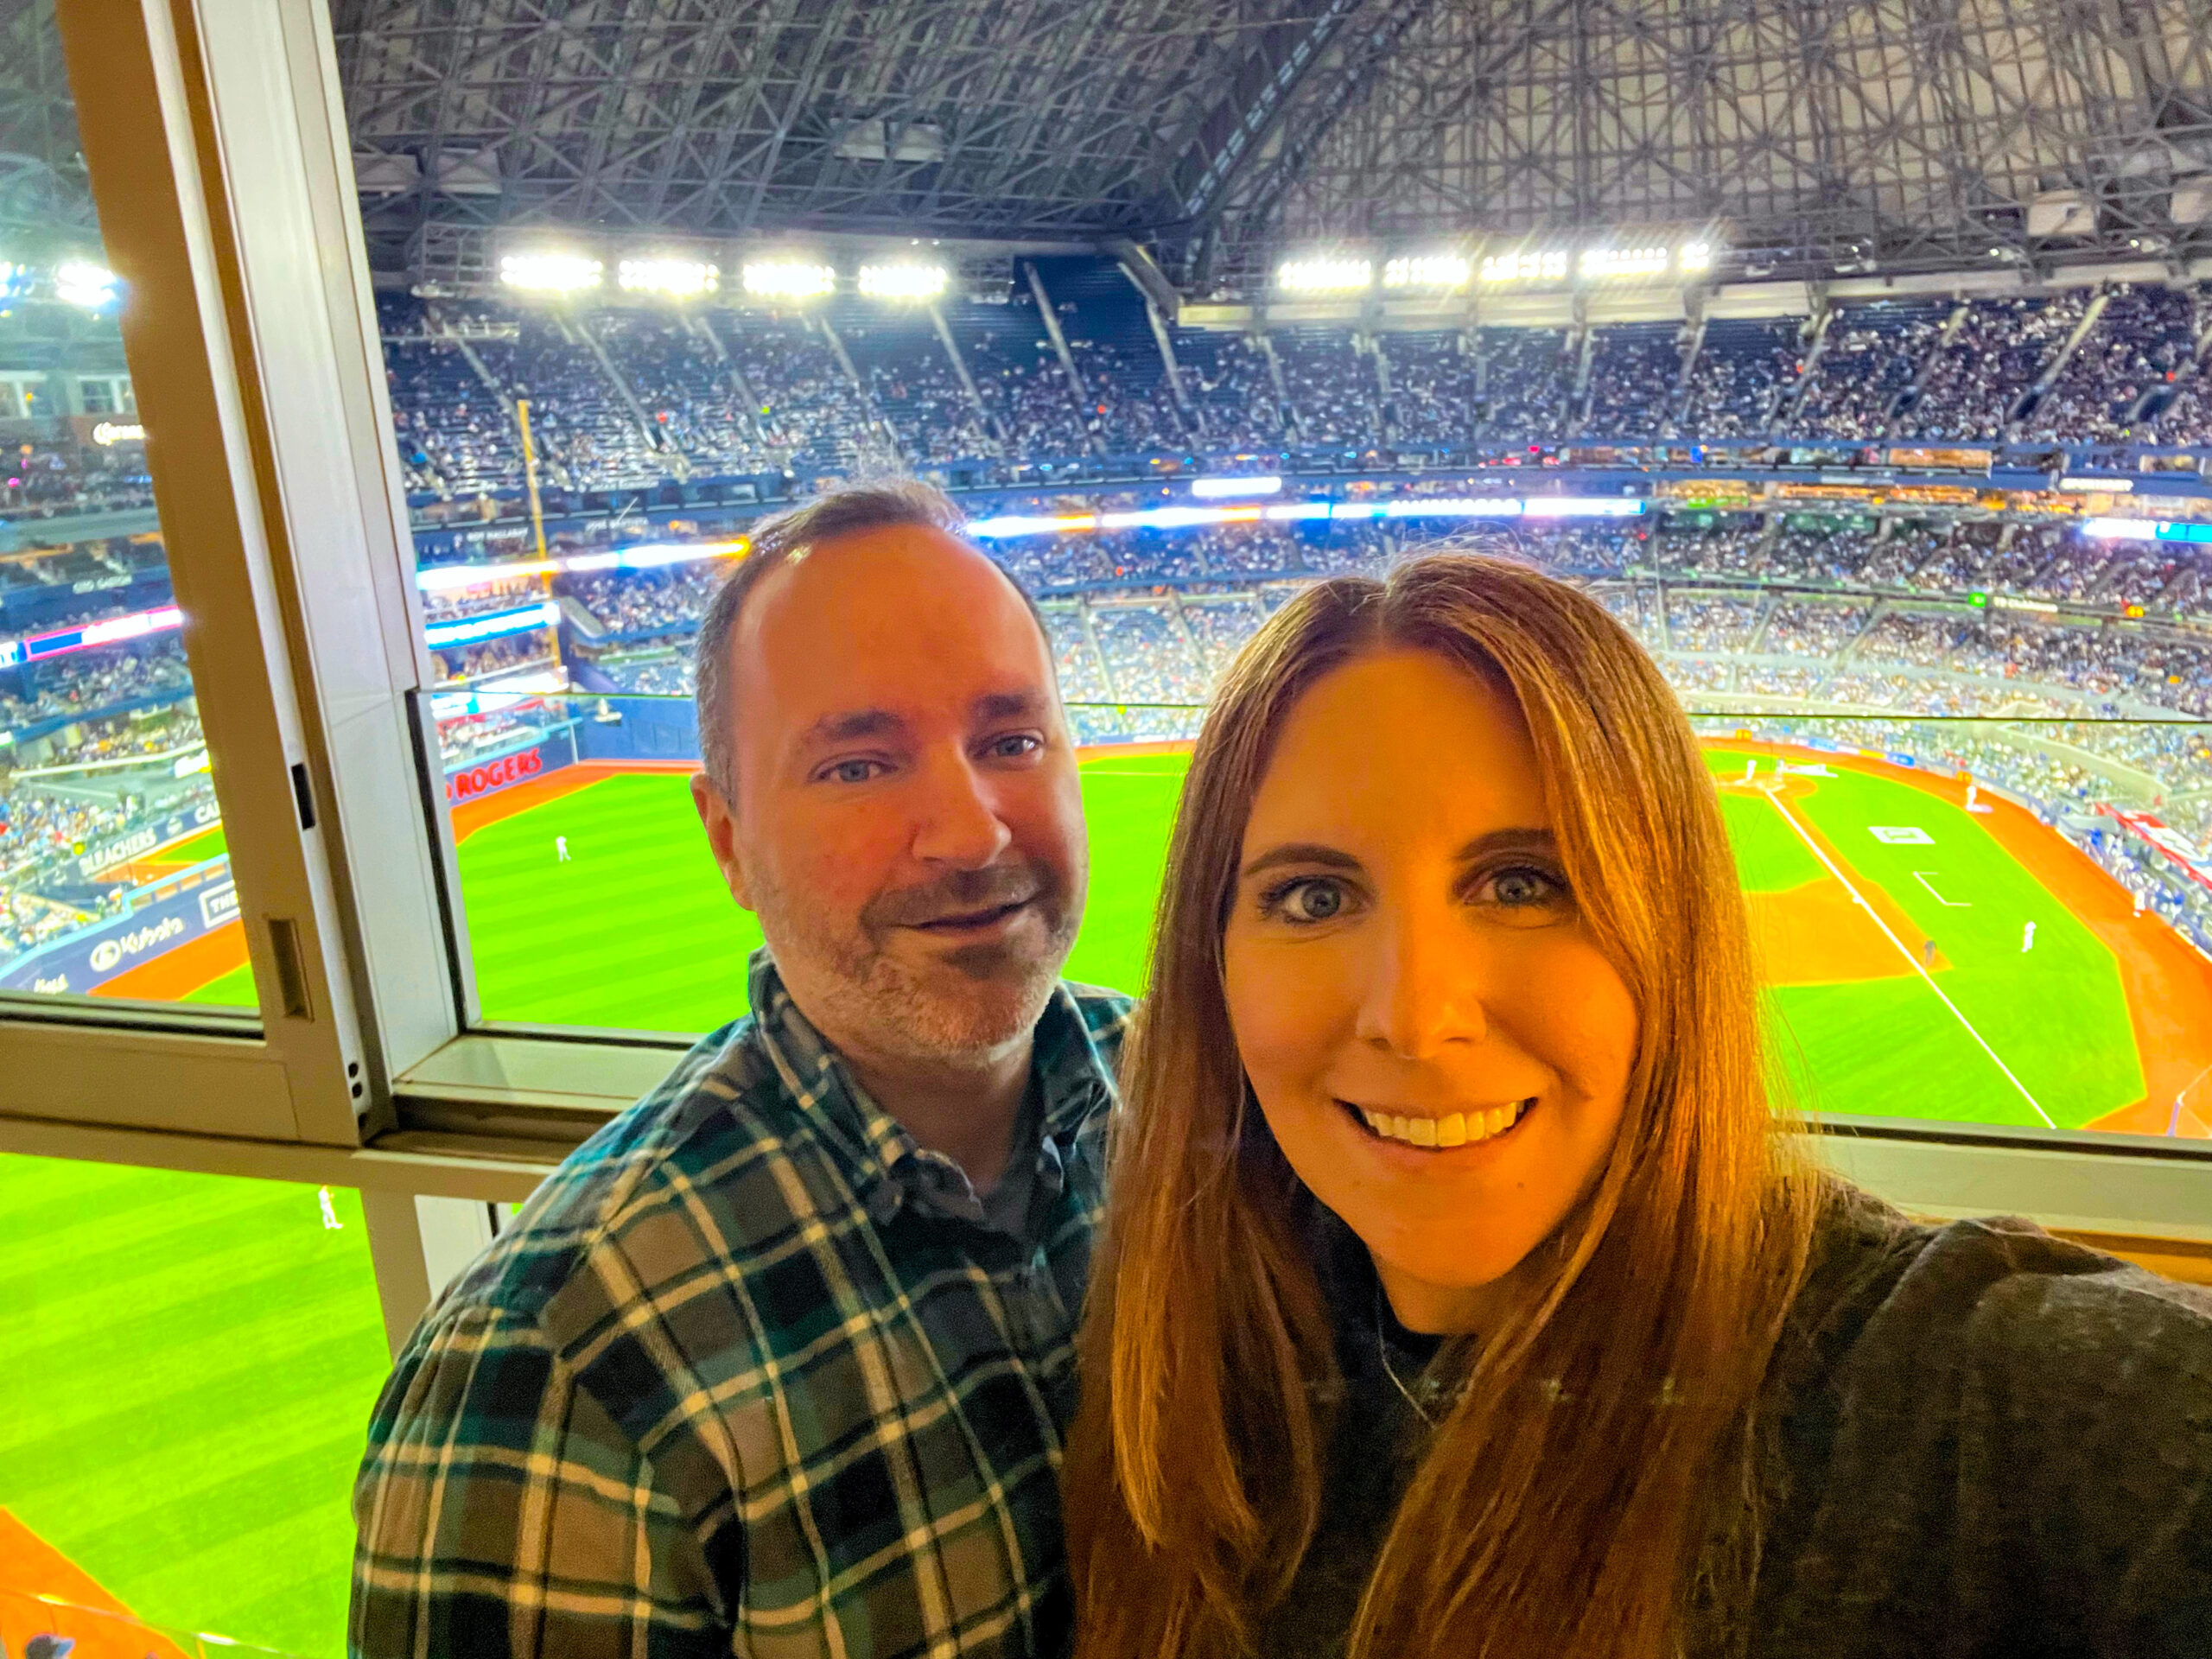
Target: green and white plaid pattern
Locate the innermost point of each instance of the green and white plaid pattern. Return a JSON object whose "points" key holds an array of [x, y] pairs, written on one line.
{"points": [[741, 1379]]}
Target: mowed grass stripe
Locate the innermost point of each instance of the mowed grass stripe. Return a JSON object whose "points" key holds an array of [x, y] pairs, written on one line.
{"points": [[73, 1333], [1886, 1048], [232, 990], [190, 1378]]}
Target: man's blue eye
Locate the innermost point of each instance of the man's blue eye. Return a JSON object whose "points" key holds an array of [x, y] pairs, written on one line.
{"points": [[852, 772]]}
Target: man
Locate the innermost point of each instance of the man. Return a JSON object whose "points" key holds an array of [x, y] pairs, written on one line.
{"points": [[777, 1362]]}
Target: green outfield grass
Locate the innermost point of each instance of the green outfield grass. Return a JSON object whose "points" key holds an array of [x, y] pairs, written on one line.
{"points": [[191, 1364], [208, 843], [231, 990]]}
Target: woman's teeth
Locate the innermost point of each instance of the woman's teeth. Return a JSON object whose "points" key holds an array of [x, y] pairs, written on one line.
{"points": [[1460, 1129]]}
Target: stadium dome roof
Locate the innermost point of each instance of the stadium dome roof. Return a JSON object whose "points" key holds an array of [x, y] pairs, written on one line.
{"points": [[1819, 133]]}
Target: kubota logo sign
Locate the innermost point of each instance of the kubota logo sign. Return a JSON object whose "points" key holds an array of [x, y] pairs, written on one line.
{"points": [[109, 953], [493, 774]]}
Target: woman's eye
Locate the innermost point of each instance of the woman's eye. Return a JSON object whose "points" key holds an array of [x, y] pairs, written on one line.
{"points": [[1524, 889], [1310, 901]]}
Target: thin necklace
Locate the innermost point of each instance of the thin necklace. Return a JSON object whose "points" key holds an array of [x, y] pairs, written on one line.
{"points": [[1382, 1353]]}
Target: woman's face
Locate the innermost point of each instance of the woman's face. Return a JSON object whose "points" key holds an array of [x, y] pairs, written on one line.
{"points": [[1434, 1038]]}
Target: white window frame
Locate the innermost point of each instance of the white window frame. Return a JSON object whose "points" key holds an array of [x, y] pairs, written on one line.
{"points": [[215, 131]]}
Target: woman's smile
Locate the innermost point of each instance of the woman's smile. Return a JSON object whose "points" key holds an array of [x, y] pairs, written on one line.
{"points": [[1440, 1132]]}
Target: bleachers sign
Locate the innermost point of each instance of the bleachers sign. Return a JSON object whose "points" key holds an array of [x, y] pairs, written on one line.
{"points": [[146, 838]]}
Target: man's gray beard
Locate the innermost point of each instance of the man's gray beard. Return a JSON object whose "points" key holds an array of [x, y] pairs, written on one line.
{"points": [[984, 999]]}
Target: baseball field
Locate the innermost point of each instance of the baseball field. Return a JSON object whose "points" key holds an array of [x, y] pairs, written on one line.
{"points": [[181, 1418]]}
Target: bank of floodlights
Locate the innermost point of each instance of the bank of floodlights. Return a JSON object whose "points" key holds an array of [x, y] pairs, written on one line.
{"points": [[787, 279], [1529, 265], [1649, 260], [904, 282], [550, 272], [682, 279], [1693, 258], [1325, 274], [1431, 271], [79, 281]]}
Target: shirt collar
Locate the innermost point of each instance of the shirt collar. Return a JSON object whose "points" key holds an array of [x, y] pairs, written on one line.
{"points": [[881, 1158]]}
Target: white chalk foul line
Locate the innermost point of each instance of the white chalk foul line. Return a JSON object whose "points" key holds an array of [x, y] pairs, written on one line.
{"points": [[1921, 876], [1774, 797]]}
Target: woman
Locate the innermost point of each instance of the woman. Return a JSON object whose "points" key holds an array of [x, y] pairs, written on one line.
{"points": [[1458, 1294]]}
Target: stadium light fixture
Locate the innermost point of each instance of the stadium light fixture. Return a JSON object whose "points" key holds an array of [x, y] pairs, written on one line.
{"points": [[904, 282], [1650, 261], [1532, 265], [1445, 270], [681, 279], [79, 281], [787, 279], [1693, 258], [1220, 487], [1325, 274], [551, 273]]}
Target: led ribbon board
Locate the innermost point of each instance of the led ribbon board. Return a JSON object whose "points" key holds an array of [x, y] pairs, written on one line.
{"points": [[493, 625], [109, 631]]}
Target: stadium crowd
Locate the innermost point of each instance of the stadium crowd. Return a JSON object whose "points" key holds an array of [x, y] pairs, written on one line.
{"points": [[1923, 617]]}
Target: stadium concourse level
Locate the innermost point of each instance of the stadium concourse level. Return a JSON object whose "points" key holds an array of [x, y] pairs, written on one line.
{"points": [[635, 398]]}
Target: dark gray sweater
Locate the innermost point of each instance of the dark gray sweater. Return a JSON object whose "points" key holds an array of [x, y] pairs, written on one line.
{"points": [[1991, 1444]]}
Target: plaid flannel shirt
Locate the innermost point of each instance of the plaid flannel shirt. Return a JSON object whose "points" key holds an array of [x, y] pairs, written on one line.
{"points": [[747, 1376]]}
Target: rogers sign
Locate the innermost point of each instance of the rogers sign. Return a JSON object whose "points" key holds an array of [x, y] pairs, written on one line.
{"points": [[471, 781]]}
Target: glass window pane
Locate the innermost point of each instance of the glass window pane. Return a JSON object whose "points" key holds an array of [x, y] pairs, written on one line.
{"points": [[114, 878], [192, 1361], [2015, 907], [583, 462]]}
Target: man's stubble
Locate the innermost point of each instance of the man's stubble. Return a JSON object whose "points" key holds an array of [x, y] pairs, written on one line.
{"points": [[955, 1004]]}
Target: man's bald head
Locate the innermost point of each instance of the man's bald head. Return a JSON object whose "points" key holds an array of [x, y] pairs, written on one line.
{"points": [[779, 542]]}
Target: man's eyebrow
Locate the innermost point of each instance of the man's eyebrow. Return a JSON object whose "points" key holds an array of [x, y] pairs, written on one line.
{"points": [[857, 722], [1300, 852], [1006, 705]]}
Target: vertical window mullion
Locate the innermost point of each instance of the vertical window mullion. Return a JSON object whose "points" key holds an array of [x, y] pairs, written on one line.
{"points": [[157, 178]]}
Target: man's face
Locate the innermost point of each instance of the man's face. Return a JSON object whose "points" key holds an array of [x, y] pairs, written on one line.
{"points": [[909, 823]]}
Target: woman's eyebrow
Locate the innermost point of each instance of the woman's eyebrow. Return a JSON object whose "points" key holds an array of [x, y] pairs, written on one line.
{"points": [[1300, 852], [1509, 840]]}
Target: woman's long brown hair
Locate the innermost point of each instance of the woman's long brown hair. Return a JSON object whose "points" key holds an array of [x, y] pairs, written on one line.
{"points": [[1592, 1491]]}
